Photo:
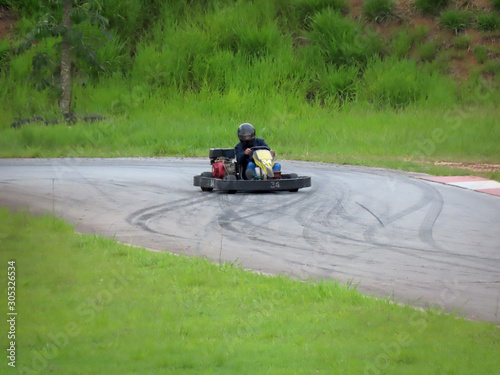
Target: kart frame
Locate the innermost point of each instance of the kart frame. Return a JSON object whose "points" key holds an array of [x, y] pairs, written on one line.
{"points": [[232, 183]]}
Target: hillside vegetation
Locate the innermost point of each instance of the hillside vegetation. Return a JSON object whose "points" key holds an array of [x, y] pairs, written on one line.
{"points": [[334, 80]]}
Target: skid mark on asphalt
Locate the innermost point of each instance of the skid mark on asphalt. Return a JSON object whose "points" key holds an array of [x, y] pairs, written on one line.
{"points": [[62, 170], [318, 225], [142, 218], [326, 240], [251, 222], [375, 216], [430, 199]]}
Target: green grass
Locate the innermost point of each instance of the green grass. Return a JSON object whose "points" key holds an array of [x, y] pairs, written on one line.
{"points": [[401, 42], [456, 20], [496, 4], [488, 22], [89, 305], [378, 10], [189, 126], [481, 54], [430, 6], [427, 51], [461, 42]]}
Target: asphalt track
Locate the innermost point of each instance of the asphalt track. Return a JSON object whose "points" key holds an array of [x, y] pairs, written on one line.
{"points": [[387, 232]]}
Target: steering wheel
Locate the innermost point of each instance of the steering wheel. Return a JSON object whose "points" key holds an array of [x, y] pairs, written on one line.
{"points": [[257, 148]]}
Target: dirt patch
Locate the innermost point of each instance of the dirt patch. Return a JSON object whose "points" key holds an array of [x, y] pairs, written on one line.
{"points": [[8, 21], [461, 61], [355, 7], [476, 167]]}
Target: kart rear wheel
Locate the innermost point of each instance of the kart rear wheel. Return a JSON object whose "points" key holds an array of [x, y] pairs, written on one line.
{"points": [[209, 175]]}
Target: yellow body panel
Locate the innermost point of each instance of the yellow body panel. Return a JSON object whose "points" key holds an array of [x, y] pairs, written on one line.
{"points": [[265, 161]]}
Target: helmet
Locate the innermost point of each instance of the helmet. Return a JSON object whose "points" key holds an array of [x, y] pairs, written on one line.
{"points": [[246, 133]]}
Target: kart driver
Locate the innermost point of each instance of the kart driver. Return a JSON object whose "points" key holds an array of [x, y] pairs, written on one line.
{"points": [[246, 135]]}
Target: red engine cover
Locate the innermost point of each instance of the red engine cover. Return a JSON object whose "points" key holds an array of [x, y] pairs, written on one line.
{"points": [[218, 169]]}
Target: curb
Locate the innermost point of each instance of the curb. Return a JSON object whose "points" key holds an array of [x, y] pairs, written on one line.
{"points": [[480, 184]]}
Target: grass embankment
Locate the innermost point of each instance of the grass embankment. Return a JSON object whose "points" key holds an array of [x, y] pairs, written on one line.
{"points": [[411, 139], [86, 304], [318, 80]]}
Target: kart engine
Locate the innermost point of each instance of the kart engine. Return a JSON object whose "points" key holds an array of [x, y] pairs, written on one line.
{"points": [[223, 166]]}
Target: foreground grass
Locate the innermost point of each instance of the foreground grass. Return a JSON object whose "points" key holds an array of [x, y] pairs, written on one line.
{"points": [[89, 305]]}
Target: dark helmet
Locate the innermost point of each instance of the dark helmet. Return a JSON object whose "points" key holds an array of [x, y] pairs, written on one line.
{"points": [[246, 133]]}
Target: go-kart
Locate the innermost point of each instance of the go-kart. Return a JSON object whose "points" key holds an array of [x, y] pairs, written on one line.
{"points": [[227, 175]]}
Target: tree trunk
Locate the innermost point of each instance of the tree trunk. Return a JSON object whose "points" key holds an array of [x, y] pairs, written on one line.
{"points": [[65, 103]]}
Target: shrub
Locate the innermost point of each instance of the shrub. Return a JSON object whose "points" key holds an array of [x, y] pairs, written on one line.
{"points": [[257, 42], [341, 40], [492, 67], [5, 52], [378, 10], [496, 4], [427, 51], [441, 63], [401, 43], [394, 82], [336, 83], [431, 6], [461, 41], [24, 7], [306, 9], [420, 33], [255, 37], [456, 20], [487, 22], [481, 54]]}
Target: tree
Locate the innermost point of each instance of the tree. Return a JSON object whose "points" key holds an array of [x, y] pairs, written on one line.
{"points": [[65, 102], [58, 19]]}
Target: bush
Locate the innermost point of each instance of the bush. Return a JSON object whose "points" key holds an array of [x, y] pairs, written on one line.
{"points": [[336, 83], [456, 20], [492, 67], [24, 7], [428, 51], [420, 33], [5, 52], [394, 82], [431, 6], [401, 43], [255, 37], [378, 10], [461, 41], [496, 4], [257, 42], [487, 22], [306, 9], [481, 54], [441, 62], [341, 40]]}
